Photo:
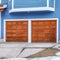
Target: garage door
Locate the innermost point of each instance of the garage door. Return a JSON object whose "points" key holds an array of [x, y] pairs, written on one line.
{"points": [[16, 31], [44, 31]]}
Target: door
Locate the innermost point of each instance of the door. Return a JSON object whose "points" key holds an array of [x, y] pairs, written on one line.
{"points": [[44, 30], [16, 31]]}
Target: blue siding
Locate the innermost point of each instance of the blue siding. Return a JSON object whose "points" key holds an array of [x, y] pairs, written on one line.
{"points": [[10, 4], [51, 3], [4, 1], [28, 15]]}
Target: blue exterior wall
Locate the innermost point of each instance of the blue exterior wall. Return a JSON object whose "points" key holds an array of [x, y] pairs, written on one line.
{"points": [[30, 15]]}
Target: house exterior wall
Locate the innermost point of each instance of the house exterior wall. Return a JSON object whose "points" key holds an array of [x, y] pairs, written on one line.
{"points": [[30, 15]]}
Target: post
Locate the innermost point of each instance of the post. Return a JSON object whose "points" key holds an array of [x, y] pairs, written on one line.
{"points": [[29, 31]]}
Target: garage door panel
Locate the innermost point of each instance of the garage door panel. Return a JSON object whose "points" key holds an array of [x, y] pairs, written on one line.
{"points": [[14, 35], [22, 32], [43, 40], [53, 23], [17, 31], [44, 32], [22, 35], [13, 22], [25, 28], [41, 27], [8, 35], [19, 27], [8, 22], [11, 35], [45, 22], [22, 22], [18, 22], [54, 27], [22, 39], [34, 35], [39, 35], [34, 39], [9, 39], [47, 27], [52, 40], [9, 30], [25, 23], [13, 27], [8, 27], [35, 28]]}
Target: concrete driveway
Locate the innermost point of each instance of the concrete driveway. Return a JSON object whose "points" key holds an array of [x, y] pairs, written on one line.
{"points": [[21, 50]]}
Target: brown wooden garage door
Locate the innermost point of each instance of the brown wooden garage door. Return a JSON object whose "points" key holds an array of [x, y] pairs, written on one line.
{"points": [[16, 31], [44, 31]]}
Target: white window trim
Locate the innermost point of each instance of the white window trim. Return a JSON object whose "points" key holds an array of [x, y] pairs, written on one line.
{"points": [[47, 3], [47, 8], [29, 27], [12, 4]]}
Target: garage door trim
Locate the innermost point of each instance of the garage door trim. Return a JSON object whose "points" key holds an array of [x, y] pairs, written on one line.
{"points": [[29, 26]]}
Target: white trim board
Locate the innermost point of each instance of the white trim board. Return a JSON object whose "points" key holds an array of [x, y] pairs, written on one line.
{"points": [[31, 9], [29, 27], [31, 19]]}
